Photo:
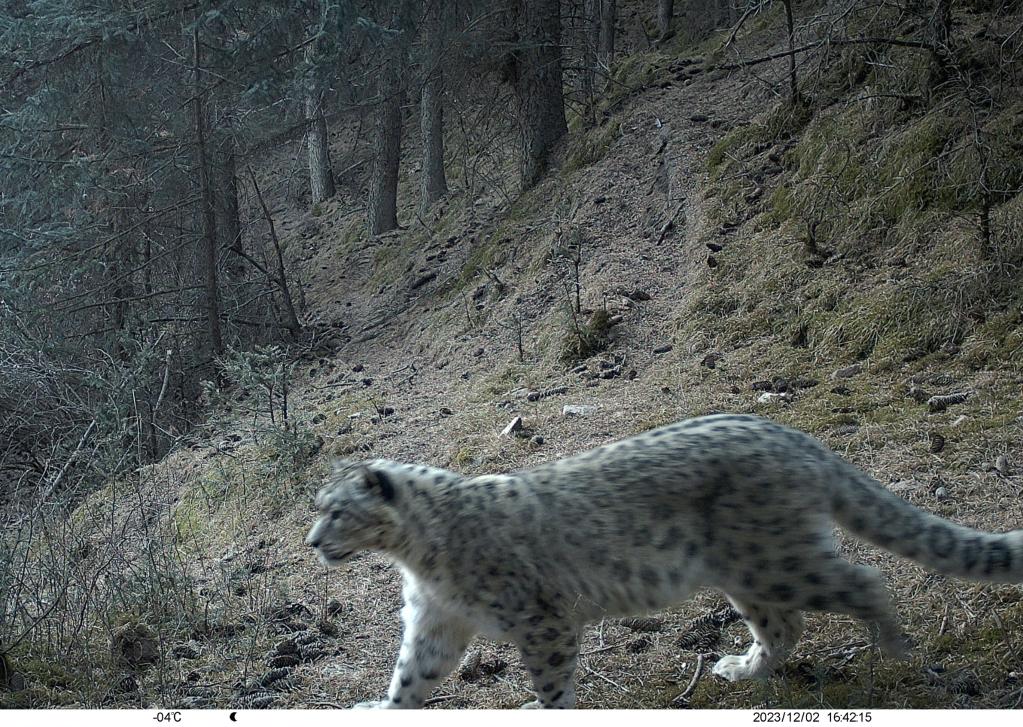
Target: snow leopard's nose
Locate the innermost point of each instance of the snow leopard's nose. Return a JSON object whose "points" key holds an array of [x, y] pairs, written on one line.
{"points": [[313, 541]]}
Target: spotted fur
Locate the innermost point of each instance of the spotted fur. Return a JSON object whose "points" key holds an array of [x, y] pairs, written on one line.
{"points": [[731, 502]]}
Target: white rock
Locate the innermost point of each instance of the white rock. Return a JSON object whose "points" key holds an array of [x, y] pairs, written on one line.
{"points": [[577, 410], [514, 426]]}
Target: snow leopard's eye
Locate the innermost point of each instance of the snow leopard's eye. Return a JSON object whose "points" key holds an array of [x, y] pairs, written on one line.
{"points": [[334, 515]]}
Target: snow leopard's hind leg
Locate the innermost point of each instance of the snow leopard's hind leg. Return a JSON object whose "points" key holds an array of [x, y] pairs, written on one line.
{"points": [[550, 651], [775, 631], [432, 643]]}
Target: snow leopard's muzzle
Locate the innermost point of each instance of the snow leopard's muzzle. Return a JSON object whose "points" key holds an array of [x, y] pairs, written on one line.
{"points": [[331, 552]]}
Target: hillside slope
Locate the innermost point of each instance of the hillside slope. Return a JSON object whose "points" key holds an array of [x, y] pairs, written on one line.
{"points": [[417, 359]]}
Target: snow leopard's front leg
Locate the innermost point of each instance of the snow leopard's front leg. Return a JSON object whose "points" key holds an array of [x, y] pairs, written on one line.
{"points": [[431, 645], [550, 651]]}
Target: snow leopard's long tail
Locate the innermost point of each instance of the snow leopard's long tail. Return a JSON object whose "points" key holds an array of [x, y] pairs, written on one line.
{"points": [[867, 509]]}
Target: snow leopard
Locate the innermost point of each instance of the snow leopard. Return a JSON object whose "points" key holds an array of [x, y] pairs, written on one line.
{"points": [[730, 502]]}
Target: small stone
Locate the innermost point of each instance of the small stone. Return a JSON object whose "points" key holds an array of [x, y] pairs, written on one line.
{"points": [[847, 372], [631, 374], [941, 493], [515, 425], [639, 295], [445, 411], [1002, 465], [663, 349], [386, 411], [367, 381], [698, 118], [357, 368], [937, 442], [334, 608], [712, 262], [846, 429], [536, 440], [714, 247], [577, 410], [599, 199], [841, 390], [711, 360], [762, 386]]}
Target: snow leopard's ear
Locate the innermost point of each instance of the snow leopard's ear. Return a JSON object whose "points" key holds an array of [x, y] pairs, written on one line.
{"points": [[378, 483]]}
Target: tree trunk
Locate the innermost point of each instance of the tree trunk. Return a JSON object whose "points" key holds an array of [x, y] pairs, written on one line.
{"points": [[939, 29], [606, 41], [229, 230], [321, 176], [208, 256], [665, 13], [434, 183], [589, 42], [538, 85], [793, 84], [383, 193]]}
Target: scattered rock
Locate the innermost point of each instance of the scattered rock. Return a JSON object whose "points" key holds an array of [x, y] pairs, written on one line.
{"points": [[577, 410], [1002, 465], [841, 390], [698, 118], [420, 282], [941, 493], [769, 396], [645, 624], [367, 381], [663, 349], [714, 247], [762, 386], [937, 442], [385, 411], [599, 199], [334, 608], [712, 262], [631, 374], [638, 295], [515, 425], [711, 360], [358, 368], [847, 429], [537, 440], [445, 411], [848, 371]]}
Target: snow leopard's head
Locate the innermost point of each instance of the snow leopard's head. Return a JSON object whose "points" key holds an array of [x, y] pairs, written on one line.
{"points": [[356, 512]]}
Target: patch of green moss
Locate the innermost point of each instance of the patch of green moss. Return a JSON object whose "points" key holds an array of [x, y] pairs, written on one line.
{"points": [[591, 145]]}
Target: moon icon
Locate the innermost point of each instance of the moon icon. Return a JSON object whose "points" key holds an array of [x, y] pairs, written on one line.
{"points": [[232, 717]]}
